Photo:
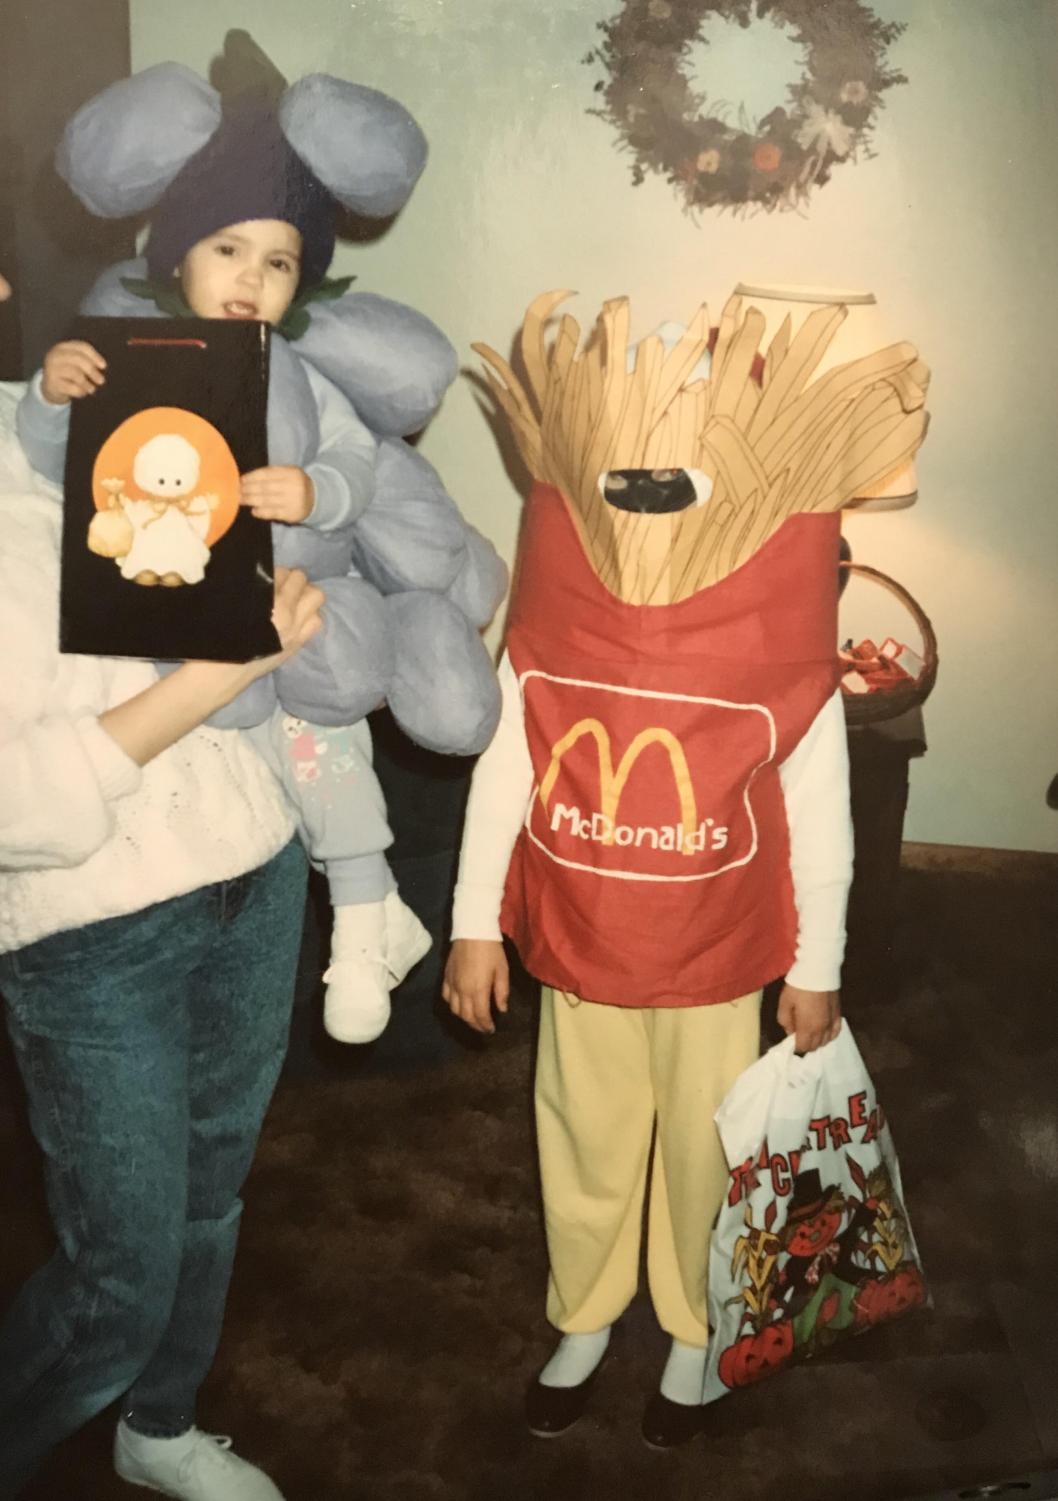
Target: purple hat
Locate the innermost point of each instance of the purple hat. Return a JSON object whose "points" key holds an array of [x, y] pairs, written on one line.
{"points": [[196, 159], [246, 170]]}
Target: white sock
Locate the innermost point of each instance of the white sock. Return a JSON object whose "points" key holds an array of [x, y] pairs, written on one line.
{"points": [[575, 1359], [359, 932], [683, 1378]]}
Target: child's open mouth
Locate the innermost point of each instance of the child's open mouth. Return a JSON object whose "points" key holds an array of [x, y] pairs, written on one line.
{"points": [[240, 310]]}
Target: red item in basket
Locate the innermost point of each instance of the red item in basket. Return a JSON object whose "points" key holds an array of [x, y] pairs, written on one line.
{"points": [[902, 657], [878, 670]]}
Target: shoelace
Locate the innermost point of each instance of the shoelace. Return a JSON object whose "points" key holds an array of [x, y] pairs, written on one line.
{"points": [[213, 1444]]}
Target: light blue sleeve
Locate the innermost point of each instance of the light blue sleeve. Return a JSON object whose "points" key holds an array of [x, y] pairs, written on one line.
{"points": [[343, 471], [42, 430]]}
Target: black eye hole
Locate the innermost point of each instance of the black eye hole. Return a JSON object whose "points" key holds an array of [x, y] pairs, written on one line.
{"points": [[655, 492]]}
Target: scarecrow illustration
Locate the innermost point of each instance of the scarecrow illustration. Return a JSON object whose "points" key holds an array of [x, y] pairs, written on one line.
{"points": [[817, 1278]]}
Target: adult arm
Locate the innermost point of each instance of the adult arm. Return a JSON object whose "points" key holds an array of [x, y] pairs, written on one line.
{"points": [[61, 774], [151, 721]]}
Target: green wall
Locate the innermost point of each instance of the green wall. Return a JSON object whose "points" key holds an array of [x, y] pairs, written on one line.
{"points": [[953, 225]]}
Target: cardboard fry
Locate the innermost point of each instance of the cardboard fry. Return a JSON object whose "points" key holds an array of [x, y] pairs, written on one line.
{"points": [[729, 385], [683, 358], [794, 371], [730, 320], [533, 345], [776, 351]]}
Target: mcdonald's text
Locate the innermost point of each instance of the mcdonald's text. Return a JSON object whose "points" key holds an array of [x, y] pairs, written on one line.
{"points": [[600, 828]]}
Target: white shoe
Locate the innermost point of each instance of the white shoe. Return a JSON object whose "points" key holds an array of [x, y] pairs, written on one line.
{"points": [[407, 941], [373, 946], [196, 1466]]}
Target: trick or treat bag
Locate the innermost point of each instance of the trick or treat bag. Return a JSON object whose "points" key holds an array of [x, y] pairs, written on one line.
{"points": [[812, 1243], [158, 557]]}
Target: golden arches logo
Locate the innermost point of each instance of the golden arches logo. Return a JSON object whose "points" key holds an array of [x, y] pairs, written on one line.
{"points": [[612, 780]]}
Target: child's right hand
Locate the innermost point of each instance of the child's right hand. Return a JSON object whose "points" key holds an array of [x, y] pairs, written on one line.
{"points": [[71, 369], [476, 974]]}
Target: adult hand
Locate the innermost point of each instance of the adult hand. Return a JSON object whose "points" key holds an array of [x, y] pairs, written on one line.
{"points": [[295, 615], [147, 724], [813, 1015], [72, 369], [476, 975], [280, 492]]}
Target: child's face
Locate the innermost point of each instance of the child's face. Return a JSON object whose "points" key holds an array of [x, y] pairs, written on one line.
{"points": [[247, 270]]}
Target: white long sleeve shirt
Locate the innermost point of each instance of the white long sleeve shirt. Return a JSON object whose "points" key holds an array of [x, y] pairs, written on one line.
{"points": [[815, 784]]}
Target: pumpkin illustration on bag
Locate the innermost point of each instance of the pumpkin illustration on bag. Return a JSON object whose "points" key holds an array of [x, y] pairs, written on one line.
{"points": [[889, 1297], [755, 1356]]}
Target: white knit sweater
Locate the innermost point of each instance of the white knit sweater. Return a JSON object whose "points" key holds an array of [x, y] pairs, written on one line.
{"points": [[84, 832]]}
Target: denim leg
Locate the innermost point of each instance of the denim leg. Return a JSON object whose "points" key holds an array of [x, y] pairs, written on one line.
{"points": [[240, 1009], [141, 1041], [100, 1031]]}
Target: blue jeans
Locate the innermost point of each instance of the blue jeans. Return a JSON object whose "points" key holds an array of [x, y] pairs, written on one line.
{"points": [[149, 1047]]}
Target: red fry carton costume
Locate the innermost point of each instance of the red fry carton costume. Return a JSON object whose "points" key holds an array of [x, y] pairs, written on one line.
{"points": [[666, 672]]}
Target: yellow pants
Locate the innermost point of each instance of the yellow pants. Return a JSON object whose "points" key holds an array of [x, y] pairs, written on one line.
{"points": [[604, 1073]]}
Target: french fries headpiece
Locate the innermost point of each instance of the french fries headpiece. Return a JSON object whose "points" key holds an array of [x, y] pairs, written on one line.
{"points": [[772, 448]]}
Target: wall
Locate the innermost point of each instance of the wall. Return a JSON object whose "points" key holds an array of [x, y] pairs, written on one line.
{"points": [[953, 225], [53, 57]]}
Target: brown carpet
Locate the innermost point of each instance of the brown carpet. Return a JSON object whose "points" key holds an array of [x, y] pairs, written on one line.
{"points": [[387, 1305]]}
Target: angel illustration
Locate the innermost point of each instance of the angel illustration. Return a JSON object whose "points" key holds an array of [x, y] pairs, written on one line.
{"points": [[160, 539]]}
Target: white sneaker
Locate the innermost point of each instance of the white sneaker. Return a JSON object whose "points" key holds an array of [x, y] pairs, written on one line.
{"points": [[196, 1466], [373, 946]]}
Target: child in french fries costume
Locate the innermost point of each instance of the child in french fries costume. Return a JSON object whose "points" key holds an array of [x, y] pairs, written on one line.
{"points": [[662, 821]]}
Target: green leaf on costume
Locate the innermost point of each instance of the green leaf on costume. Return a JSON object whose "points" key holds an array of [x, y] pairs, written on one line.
{"points": [[295, 323], [331, 288], [296, 320]]}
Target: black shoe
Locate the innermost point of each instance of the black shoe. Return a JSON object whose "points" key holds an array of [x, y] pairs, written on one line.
{"points": [[550, 1410], [667, 1424]]}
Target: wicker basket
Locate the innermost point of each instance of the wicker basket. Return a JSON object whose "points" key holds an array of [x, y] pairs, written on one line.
{"points": [[871, 708]]}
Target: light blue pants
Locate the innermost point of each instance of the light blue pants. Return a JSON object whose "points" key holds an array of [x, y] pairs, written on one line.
{"points": [[328, 776]]}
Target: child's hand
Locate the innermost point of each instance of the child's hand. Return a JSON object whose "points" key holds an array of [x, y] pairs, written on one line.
{"points": [[71, 369], [814, 1015], [278, 493], [476, 974]]}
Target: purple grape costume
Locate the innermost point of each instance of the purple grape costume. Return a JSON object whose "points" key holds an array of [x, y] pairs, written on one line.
{"points": [[408, 582]]}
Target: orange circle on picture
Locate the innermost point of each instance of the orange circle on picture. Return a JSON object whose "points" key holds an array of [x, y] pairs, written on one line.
{"points": [[151, 455]]}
